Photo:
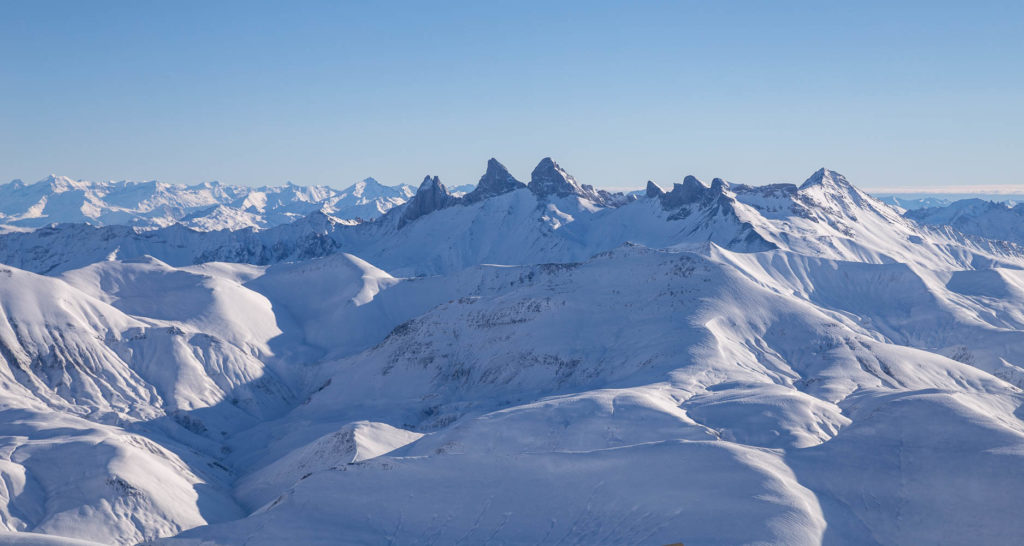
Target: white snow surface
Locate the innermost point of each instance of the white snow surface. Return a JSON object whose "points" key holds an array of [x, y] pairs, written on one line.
{"points": [[714, 364], [990, 219], [208, 206]]}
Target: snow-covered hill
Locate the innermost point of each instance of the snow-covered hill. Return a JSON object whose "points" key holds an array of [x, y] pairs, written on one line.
{"points": [[679, 385], [536, 362], [205, 207]]}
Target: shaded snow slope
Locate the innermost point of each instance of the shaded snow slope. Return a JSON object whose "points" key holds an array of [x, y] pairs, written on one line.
{"points": [[753, 366]]}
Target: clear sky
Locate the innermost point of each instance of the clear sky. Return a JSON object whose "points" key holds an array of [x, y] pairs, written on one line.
{"points": [[890, 94]]}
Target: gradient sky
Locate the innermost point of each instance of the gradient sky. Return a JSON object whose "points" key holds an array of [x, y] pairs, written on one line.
{"points": [[890, 94]]}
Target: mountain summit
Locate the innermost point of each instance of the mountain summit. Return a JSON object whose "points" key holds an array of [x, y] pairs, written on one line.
{"points": [[826, 178], [495, 181], [549, 179], [431, 196]]}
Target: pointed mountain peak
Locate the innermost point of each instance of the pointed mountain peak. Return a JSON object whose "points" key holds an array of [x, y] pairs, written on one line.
{"points": [[550, 179], [654, 190], [431, 196], [431, 184], [495, 181], [831, 189], [496, 166], [370, 188], [826, 177]]}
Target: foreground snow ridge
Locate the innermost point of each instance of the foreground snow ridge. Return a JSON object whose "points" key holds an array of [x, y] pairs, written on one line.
{"points": [[521, 362]]}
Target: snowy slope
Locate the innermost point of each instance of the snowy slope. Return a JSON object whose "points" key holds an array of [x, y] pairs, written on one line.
{"points": [[67, 476], [207, 207], [86, 382], [534, 362], [690, 388]]}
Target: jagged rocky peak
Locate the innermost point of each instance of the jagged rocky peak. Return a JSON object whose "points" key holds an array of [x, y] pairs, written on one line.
{"points": [[431, 186], [431, 196], [654, 190], [495, 181], [692, 190], [550, 179]]}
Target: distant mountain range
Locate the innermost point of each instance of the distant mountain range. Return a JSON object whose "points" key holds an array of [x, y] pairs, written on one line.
{"points": [[911, 201], [989, 219], [213, 206], [206, 207]]}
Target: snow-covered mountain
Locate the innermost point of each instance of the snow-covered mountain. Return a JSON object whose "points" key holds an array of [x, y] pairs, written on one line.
{"points": [[206, 207], [991, 219], [911, 203], [505, 221], [943, 197], [524, 362]]}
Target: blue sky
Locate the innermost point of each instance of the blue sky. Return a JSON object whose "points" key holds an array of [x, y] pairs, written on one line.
{"points": [[890, 94]]}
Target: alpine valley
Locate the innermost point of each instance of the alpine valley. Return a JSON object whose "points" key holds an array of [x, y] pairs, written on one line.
{"points": [[535, 362]]}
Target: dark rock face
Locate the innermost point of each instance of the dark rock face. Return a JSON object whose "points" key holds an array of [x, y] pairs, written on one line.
{"points": [[690, 191], [431, 196], [610, 199], [495, 181], [547, 180], [550, 180], [654, 190]]}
